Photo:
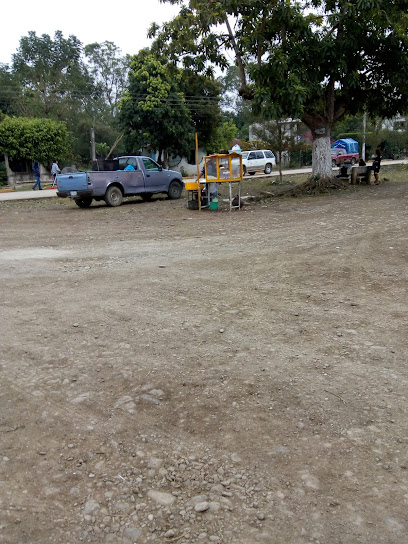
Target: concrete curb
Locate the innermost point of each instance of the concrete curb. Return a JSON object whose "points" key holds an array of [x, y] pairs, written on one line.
{"points": [[27, 195]]}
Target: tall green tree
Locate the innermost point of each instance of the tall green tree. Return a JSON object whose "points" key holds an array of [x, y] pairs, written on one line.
{"points": [[316, 61], [222, 137], [54, 81], [154, 111], [233, 106], [165, 105], [202, 96], [10, 91], [109, 70], [53, 74]]}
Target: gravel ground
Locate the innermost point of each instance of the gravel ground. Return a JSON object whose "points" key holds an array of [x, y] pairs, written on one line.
{"points": [[216, 377]]}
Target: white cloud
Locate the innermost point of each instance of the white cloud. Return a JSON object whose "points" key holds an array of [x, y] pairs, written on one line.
{"points": [[124, 23]]}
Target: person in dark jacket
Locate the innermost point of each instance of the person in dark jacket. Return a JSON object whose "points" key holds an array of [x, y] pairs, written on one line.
{"points": [[36, 170], [377, 165]]}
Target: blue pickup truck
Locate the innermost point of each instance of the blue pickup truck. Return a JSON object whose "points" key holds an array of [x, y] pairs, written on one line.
{"points": [[130, 176]]}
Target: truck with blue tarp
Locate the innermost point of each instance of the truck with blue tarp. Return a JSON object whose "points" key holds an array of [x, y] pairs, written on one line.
{"points": [[344, 149]]}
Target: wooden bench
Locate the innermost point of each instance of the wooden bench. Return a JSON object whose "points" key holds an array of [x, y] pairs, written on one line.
{"points": [[361, 174]]}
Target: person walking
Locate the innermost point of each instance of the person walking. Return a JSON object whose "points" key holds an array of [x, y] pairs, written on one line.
{"points": [[36, 170], [54, 171], [377, 165]]}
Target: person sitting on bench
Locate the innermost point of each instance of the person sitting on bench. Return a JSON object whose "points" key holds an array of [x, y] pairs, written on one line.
{"points": [[345, 169]]}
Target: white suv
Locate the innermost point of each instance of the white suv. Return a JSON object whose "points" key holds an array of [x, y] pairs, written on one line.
{"points": [[258, 160]]}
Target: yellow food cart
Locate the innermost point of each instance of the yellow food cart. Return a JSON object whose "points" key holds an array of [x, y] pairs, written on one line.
{"points": [[218, 168]]}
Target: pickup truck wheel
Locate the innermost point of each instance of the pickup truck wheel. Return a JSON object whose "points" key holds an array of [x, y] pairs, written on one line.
{"points": [[83, 202], [113, 196], [146, 196], [334, 164], [268, 168], [244, 170], [175, 190], [353, 160]]}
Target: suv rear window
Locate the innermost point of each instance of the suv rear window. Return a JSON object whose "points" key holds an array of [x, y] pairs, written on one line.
{"points": [[269, 154], [259, 155]]}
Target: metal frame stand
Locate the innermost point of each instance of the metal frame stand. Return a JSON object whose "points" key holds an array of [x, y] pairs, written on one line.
{"points": [[206, 197], [231, 207], [193, 200]]}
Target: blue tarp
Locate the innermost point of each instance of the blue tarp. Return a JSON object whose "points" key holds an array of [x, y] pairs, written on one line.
{"points": [[350, 145]]}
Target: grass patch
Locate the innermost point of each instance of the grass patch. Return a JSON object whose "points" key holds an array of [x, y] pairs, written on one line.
{"points": [[268, 187]]}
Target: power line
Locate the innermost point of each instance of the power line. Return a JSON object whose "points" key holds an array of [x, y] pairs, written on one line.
{"points": [[186, 98]]}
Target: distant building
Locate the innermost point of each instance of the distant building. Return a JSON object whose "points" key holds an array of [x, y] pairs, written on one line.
{"points": [[396, 123]]}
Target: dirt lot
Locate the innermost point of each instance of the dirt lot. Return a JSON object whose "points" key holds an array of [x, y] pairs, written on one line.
{"points": [[215, 377]]}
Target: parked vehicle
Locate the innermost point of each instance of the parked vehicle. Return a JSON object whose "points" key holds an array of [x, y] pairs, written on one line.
{"points": [[344, 149], [258, 160], [129, 176]]}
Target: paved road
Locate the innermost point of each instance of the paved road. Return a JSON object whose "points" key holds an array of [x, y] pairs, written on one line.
{"points": [[28, 195], [49, 193]]}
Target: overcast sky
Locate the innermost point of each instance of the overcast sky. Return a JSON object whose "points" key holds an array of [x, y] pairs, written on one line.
{"points": [[123, 22]]}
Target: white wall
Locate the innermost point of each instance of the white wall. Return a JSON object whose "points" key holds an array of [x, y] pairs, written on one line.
{"points": [[180, 164], [17, 178]]}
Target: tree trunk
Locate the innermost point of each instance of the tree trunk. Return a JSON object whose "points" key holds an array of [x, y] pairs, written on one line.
{"points": [[280, 146], [10, 174], [320, 125], [165, 162], [118, 139], [322, 165]]}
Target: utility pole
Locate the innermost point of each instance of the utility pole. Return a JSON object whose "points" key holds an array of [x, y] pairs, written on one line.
{"points": [[363, 150], [93, 154]]}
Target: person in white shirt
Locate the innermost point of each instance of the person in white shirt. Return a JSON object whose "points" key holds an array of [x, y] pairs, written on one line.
{"points": [[54, 171]]}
